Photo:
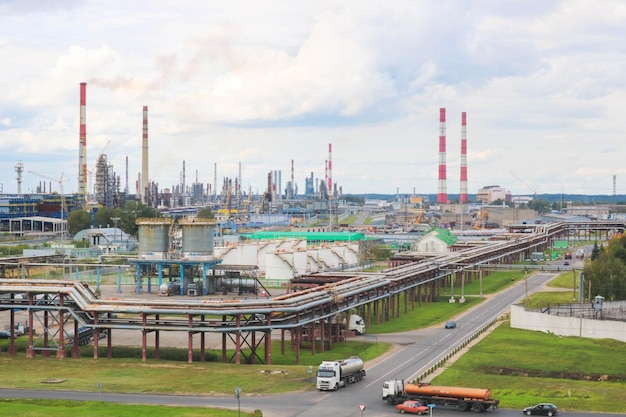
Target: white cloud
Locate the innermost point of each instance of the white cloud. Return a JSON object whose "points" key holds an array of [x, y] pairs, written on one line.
{"points": [[262, 84]]}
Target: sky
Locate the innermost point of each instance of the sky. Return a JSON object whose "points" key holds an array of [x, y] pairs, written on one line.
{"points": [[258, 84]]}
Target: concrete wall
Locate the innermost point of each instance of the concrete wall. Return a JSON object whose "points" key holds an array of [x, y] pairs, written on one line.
{"points": [[567, 326]]}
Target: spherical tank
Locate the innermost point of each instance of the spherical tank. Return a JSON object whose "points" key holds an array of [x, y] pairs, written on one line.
{"points": [[197, 238], [153, 237]]}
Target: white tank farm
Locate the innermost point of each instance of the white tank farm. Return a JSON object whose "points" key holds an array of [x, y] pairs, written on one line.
{"points": [[153, 235], [285, 259]]}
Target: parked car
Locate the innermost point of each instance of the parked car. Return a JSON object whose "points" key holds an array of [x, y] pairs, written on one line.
{"points": [[543, 409], [5, 334], [450, 324], [411, 406]]}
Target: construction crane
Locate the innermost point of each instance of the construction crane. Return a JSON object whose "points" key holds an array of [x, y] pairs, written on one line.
{"points": [[481, 218], [534, 190], [421, 218], [60, 181]]}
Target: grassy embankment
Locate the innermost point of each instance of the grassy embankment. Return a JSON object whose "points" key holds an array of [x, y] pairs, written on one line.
{"points": [[524, 367]]}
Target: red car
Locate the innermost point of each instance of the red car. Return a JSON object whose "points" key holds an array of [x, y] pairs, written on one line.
{"points": [[411, 406]]}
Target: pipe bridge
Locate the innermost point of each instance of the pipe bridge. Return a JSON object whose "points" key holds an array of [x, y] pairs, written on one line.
{"points": [[312, 315]]}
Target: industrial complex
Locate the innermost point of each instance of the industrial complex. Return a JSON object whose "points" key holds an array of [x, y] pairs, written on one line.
{"points": [[278, 263], [310, 315]]}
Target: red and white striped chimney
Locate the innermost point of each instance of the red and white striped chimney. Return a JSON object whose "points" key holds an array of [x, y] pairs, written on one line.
{"points": [[82, 143], [330, 169], [325, 175], [442, 194], [463, 192]]}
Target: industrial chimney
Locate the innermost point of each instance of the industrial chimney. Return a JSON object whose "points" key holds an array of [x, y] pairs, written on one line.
{"points": [[330, 170], [82, 144], [144, 157], [442, 195], [463, 192]]}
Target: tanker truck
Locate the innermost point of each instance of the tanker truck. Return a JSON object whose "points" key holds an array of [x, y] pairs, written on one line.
{"points": [[332, 375], [463, 399]]}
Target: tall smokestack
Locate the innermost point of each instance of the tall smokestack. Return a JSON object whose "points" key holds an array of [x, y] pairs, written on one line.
{"points": [[144, 157], [463, 193], [82, 143], [330, 169], [325, 175], [239, 187], [293, 183], [19, 170], [215, 181], [126, 190], [442, 195], [183, 186]]}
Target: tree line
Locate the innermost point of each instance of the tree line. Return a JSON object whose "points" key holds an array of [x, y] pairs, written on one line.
{"points": [[607, 269], [123, 218]]}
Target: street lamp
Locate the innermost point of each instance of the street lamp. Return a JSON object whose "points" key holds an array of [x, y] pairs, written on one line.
{"points": [[237, 395], [115, 220]]}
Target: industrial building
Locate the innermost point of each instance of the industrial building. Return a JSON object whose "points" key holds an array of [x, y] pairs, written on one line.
{"points": [[183, 256]]}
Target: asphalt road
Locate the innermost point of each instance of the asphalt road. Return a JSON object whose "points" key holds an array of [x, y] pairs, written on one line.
{"points": [[418, 351]]}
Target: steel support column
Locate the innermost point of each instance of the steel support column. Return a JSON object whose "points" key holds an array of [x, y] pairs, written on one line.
{"points": [[157, 339], [268, 342], [254, 347], [12, 348], [46, 336], [110, 343], [190, 338], [298, 334], [238, 341], [144, 338], [224, 359], [96, 335], [322, 336], [75, 349], [203, 338], [30, 352], [296, 338], [282, 341], [61, 351]]}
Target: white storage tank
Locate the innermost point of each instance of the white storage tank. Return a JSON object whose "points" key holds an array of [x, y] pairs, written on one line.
{"points": [[197, 239], [154, 238]]}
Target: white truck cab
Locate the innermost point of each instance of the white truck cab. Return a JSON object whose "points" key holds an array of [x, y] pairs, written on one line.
{"points": [[357, 324]]}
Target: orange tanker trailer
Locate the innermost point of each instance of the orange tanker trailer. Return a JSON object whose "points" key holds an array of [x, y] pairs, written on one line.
{"points": [[475, 399]]}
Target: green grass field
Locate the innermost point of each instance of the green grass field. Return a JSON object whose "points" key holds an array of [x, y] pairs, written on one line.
{"points": [[52, 408], [132, 375], [524, 367]]}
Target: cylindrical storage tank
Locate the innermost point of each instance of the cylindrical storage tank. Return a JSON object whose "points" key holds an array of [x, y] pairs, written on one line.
{"points": [[442, 391], [351, 365], [197, 239], [154, 238]]}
